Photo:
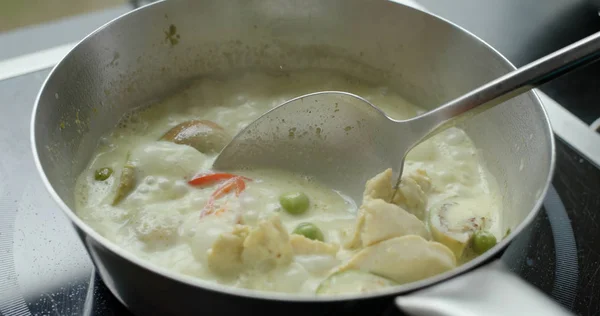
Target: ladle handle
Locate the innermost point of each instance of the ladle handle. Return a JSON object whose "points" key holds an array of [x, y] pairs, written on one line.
{"points": [[523, 79]]}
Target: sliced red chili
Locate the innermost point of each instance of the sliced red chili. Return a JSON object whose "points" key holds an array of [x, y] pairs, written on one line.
{"points": [[240, 186], [237, 183], [225, 188], [212, 177]]}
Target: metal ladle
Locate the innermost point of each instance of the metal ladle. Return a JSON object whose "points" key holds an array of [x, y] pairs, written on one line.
{"points": [[342, 140]]}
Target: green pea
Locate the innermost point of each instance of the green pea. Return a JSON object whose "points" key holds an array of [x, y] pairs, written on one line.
{"points": [[294, 202], [103, 174], [310, 231], [483, 241]]}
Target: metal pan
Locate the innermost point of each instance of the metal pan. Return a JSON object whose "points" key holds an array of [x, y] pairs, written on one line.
{"points": [[150, 52]]}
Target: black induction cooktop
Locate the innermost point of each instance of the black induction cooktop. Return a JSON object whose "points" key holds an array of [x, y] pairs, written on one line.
{"points": [[44, 269]]}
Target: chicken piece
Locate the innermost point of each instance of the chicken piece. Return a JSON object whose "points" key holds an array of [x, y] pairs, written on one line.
{"points": [[385, 220], [422, 178], [411, 197], [355, 240], [225, 256], [304, 246], [267, 246], [379, 187], [403, 259], [380, 220], [154, 226], [165, 159]]}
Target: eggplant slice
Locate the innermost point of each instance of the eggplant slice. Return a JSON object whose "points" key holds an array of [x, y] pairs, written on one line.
{"points": [[205, 136]]}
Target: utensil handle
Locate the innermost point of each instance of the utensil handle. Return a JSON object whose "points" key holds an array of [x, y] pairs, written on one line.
{"points": [[576, 55], [491, 290]]}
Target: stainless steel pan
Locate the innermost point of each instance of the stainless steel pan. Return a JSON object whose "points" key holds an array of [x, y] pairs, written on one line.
{"points": [[146, 54]]}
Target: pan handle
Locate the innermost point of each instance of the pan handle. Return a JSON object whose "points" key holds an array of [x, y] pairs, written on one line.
{"points": [[490, 290]]}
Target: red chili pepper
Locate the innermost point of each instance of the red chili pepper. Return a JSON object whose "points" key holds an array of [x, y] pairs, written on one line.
{"points": [[237, 183], [240, 185], [212, 177], [225, 188]]}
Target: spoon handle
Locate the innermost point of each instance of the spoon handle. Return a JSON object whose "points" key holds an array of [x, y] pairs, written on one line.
{"points": [[523, 79]]}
